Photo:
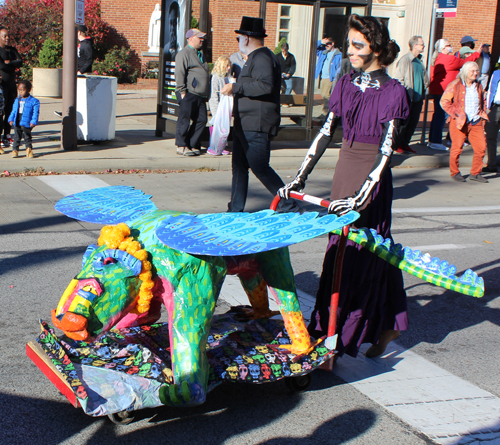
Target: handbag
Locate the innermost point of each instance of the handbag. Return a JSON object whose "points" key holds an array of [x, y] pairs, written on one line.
{"points": [[221, 124]]}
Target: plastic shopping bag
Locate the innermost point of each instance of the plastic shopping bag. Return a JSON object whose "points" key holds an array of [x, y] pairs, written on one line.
{"points": [[221, 124]]}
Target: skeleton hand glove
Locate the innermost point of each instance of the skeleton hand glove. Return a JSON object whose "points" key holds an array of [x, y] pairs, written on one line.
{"points": [[342, 206], [295, 186]]}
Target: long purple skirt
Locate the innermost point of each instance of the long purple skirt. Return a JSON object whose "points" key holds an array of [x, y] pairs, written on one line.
{"points": [[372, 296]]}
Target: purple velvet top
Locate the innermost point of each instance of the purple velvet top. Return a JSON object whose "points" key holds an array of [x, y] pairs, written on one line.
{"points": [[365, 101]]}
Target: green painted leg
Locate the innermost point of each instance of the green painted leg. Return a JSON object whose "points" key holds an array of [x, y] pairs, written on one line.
{"points": [[195, 289], [276, 269]]}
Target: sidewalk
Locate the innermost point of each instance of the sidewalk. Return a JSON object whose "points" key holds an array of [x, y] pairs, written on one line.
{"points": [[136, 147]]}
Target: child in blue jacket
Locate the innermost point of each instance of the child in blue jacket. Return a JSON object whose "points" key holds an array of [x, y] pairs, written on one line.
{"points": [[23, 118]]}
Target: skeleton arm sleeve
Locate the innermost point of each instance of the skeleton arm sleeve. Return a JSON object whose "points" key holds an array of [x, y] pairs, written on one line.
{"points": [[318, 147], [382, 160]]}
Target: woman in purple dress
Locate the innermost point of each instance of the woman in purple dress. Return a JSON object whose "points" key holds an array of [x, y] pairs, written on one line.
{"points": [[372, 302]]}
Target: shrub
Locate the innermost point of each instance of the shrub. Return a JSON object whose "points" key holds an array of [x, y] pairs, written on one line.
{"points": [[277, 50], [50, 56], [116, 64]]}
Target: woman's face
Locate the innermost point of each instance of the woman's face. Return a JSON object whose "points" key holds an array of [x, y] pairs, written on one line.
{"points": [[360, 54], [447, 49], [228, 67]]}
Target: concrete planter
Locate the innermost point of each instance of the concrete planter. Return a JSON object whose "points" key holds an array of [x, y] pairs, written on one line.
{"points": [[47, 82], [96, 107]]}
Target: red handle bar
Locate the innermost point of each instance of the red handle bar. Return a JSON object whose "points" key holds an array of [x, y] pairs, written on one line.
{"points": [[301, 197]]}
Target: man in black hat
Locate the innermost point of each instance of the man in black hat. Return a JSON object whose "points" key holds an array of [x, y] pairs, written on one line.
{"points": [[256, 115], [85, 50]]}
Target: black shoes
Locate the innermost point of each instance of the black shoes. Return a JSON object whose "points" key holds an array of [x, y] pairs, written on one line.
{"points": [[458, 177], [478, 178], [490, 170], [58, 113]]}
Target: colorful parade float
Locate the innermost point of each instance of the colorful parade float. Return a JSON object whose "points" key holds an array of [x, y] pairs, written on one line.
{"points": [[114, 355]]}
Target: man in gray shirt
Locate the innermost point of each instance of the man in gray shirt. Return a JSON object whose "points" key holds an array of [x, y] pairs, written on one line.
{"points": [[193, 87]]}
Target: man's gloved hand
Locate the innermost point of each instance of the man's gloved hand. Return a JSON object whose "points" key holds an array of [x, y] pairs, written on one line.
{"points": [[342, 206], [295, 186]]}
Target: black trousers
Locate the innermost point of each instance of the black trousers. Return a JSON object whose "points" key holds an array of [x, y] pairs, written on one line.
{"points": [[491, 128], [191, 108], [252, 150], [9, 96], [19, 133], [408, 128]]}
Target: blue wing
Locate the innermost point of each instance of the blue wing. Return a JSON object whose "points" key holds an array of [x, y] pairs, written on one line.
{"points": [[107, 205], [225, 234]]}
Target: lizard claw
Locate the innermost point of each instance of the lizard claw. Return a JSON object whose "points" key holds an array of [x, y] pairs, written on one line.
{"points": [[185, 394]]}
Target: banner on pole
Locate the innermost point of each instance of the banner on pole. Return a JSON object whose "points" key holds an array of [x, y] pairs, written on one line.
{"points": [[79, 12], [446, 8]]}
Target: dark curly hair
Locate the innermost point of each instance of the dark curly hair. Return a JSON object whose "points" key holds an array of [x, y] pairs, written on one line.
{"points": [[26, 83], [377, 34]]}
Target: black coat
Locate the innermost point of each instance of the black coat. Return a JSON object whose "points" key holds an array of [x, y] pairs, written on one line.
{"points": [[288, 65], [257, 93], [8, 70], [85, 56]]}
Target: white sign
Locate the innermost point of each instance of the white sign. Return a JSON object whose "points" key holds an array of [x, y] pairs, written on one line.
{"points": [[79, 12]]}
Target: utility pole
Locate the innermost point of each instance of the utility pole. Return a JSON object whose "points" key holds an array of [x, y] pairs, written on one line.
{"points": [[429, 58], [68, 131]]}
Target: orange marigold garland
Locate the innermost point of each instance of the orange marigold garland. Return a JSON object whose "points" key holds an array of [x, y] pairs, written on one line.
{"points": [[118, 237]]}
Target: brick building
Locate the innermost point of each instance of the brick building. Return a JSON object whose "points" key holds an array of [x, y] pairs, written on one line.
{"points": [[225, 17], [404, 17], [481, 20]]}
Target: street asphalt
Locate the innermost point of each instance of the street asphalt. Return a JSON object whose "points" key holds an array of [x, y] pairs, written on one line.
{"points": [[135, 146]]}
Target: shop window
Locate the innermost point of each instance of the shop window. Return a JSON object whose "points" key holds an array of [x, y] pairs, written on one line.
{"points": [[284, 23]]}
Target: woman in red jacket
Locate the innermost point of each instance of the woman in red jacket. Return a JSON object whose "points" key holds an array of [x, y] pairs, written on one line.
{"points": [[444, 69]]}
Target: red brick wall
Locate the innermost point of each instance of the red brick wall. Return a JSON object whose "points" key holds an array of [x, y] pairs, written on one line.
{"points": [[131, 21], [225, 17], [477, 19]]}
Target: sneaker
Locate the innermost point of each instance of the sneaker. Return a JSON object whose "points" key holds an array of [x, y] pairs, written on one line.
{"points": [[458, 178], [489, 169], [225, 152], [196, 151], [9, 138], [184, 151], [212, 152], [5, 142], [399, 150], [58, 113], [478, 178], [409, 149], [435, 146]]}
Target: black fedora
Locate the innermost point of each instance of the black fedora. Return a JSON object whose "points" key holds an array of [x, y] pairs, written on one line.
{"points": [[252, 26]]}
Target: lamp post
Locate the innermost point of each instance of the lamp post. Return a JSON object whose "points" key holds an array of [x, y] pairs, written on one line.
{"points": [[68, 130]]}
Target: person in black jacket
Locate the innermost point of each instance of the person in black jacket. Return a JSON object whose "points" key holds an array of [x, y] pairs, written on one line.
{"points": [[85, 54], [256, 116], [288, 66], [10, 60], [85, 50]]}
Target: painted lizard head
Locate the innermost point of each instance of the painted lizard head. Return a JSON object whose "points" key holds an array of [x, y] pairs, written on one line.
{"points": [[115, 279]]}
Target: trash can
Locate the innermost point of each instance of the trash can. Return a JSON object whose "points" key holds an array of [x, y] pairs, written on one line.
{"points": [[96, 107]]}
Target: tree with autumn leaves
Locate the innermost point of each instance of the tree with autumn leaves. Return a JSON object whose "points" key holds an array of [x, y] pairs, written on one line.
{"points": [[32, 22]]}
